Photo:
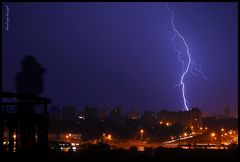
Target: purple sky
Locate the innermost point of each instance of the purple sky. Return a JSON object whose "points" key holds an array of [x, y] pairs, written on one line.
{"points": [[109, 54]]}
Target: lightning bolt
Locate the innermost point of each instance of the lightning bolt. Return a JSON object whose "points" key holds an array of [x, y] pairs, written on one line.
{"points": [[190, 64]]}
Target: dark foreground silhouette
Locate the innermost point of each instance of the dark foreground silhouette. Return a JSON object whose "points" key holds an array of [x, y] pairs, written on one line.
{"points": [[103, 152], [30, 79], [23, 115]]}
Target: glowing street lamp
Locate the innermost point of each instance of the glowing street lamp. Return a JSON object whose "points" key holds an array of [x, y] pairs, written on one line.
{"points": [[109, 136], [213, 134], [141, 132]]}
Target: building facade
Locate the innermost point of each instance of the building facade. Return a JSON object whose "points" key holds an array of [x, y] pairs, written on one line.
{"points": [[191, 119]]}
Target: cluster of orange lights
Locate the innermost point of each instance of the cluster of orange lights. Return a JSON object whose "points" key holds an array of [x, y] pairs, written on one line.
{"points": [[108, 137], [69, 135], [230, 132], [165, 123], [224, 133], [205, 128]]}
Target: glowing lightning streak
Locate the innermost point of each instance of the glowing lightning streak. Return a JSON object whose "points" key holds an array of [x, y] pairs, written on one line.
{"points": [[194, 67], [188, 62]]}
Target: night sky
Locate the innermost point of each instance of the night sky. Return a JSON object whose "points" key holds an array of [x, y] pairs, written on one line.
{"points": [[108, 54]]}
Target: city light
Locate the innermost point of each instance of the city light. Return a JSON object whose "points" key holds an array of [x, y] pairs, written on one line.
{"points": [[109, 137], [168, 124], [222, 129], [185, 134], [141, 132], [81, 117], [74, 148], [213, 134]]}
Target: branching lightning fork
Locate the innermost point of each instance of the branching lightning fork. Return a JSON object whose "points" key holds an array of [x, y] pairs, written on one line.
{"points": [[195, 68]]}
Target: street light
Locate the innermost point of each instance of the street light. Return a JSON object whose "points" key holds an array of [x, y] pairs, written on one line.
{"points": [[67, 137], [109, 137], [213, 134], [141, 131]]}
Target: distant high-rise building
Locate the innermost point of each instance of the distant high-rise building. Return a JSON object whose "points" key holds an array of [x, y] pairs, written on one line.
{"points": [[91, 113], [116, 116], [68, 113], [134, 115], [227, 112], [103, 114], [190, 119], [148, 118], [55, 112]]}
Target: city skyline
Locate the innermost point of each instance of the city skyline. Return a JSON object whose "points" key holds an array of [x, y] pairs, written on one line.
{"points": [[121, 54]]}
